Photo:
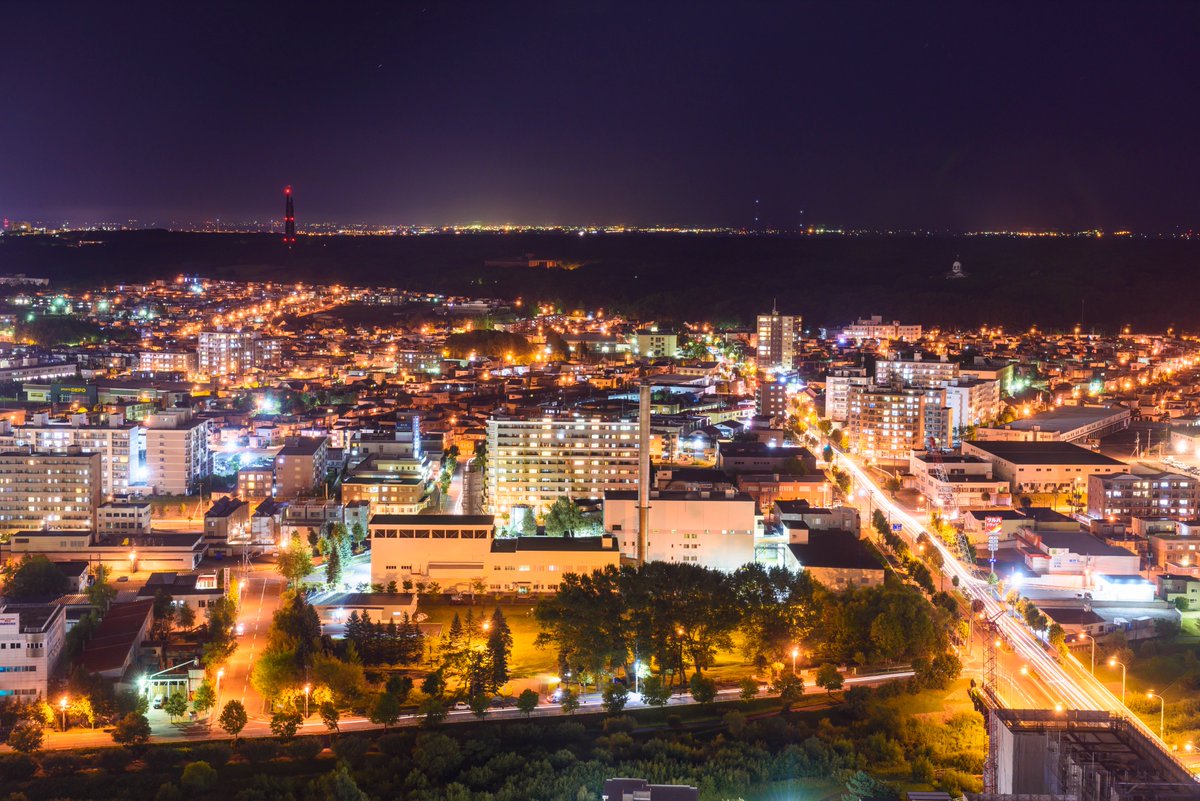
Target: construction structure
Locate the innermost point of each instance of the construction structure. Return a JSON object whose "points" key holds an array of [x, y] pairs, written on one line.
{"points": [[289, 218], [1079, 755], [643, 482]]}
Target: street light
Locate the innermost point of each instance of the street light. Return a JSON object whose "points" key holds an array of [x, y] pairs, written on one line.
{"points": [[1093, 639], [1113, 662], [307, 690], [795, 653], [133, 561], [62, 704], [217, 703], [1162, 712]]}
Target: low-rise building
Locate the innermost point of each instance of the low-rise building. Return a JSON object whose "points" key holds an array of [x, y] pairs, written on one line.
{"points": [[1043, 466], [227, 523], [300, 467], [768, 488], [124, 517], [1062, 424], [1179, 589], [120, 553], [1176, 549], [713, 529], [1125, 496], [195, 590], [968, 479], [112, 648], [1074, 554], [836, 558], [32, 637], [461, 551], [760, 457]]}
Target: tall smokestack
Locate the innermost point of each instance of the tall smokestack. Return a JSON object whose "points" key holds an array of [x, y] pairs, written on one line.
{"points": [[643, 470]]}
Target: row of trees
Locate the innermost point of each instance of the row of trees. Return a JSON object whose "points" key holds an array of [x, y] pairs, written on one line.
{"points": [[677, 616], [379, 643]]}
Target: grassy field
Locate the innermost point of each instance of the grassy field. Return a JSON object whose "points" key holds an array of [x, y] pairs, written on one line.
{"points": [[528, 660]]}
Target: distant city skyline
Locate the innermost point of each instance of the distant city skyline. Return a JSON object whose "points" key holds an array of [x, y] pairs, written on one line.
{"points": [[938, 117]]}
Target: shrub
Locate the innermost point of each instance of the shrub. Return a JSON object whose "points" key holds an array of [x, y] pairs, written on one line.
{"points": [[623, 723], [259, 750], [17, 767], [60, 764], [168, 792], [305, 749], [115, 760], [215, 754], [352, 749], [160, 760], [198, 777], [394, 744], [735, 722]]}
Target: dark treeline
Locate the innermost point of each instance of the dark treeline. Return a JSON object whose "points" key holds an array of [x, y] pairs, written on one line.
{"points": [[1017, 282]]}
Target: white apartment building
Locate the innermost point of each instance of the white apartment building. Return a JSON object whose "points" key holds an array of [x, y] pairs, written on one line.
{"points": [[124, 518], [118, 443], [968, 479], [56, 491], [712, 529], [777, 338], [226, 352], [535, 461], [168, 361], [917, 371], [972, 402], [32, 637], [653, 344], [874, 327], [177, 456], [837, 391]]}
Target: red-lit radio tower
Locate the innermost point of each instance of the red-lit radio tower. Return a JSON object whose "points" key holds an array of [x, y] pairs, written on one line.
{"points": [[289, 218]]}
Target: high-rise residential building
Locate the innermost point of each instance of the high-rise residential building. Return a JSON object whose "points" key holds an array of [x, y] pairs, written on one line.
{"points": [[56, 491], [777, 338], [226, 352], [886, 422], [300, 467], [837, 390], [177, 457], [972, 402], [118, 443], [535, 461]]}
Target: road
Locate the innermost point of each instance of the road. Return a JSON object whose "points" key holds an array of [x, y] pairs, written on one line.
{"points": [[259, 723], [1067, 682]]}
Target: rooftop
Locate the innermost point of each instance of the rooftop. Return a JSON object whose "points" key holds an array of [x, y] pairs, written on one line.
{"points": [[1044, 453], [444, 521], [517, 544], [1065, 418], [836, 549]]}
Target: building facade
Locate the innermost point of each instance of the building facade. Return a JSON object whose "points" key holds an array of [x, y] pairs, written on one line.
{"points": [[778, 335], [1124, 496], [54, 491], [712, 529], [226, 353], [177, 457]]}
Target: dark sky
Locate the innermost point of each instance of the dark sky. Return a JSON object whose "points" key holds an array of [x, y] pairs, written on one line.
{"points": [[910, 115]]}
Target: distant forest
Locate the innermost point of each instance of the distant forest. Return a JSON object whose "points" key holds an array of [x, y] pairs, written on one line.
{"points": [[1104, 284]]}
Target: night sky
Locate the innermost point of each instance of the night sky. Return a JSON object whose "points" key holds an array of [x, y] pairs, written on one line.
{"points": [[961, 116]]}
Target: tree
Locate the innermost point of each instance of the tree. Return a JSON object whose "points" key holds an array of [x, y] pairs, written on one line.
{"points": [[499, 649], [479, 703], [81, 707], [337, 785], [333, 568], [198, 777], [285, 723], [1057, 637], [36, 576], [790, 688], [527, 701], [175, 705], [205, 698], [749, 688], [133, 729], [614, 697], [569, 701], [330, 716], [164, 615], [862, 785], [433, 711], [101, 593], [233, 718], [829, 678], [295, 562], [434, 684], [565, 519], [655, 691], [185, 616], [26, 737], [385, 710], [703, 689]]}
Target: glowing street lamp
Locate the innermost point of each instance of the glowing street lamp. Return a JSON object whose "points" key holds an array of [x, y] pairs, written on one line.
{"points": [[133, 561], [307, 690], [1093, 639], [795, 654], [1162, 712], [62, 704], [1113, 662]]}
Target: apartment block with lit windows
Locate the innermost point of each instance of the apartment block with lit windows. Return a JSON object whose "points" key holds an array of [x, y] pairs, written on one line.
{"points": [[889, 422], [1123, 496], [56, 491], [534, 461], [119, 445]]}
